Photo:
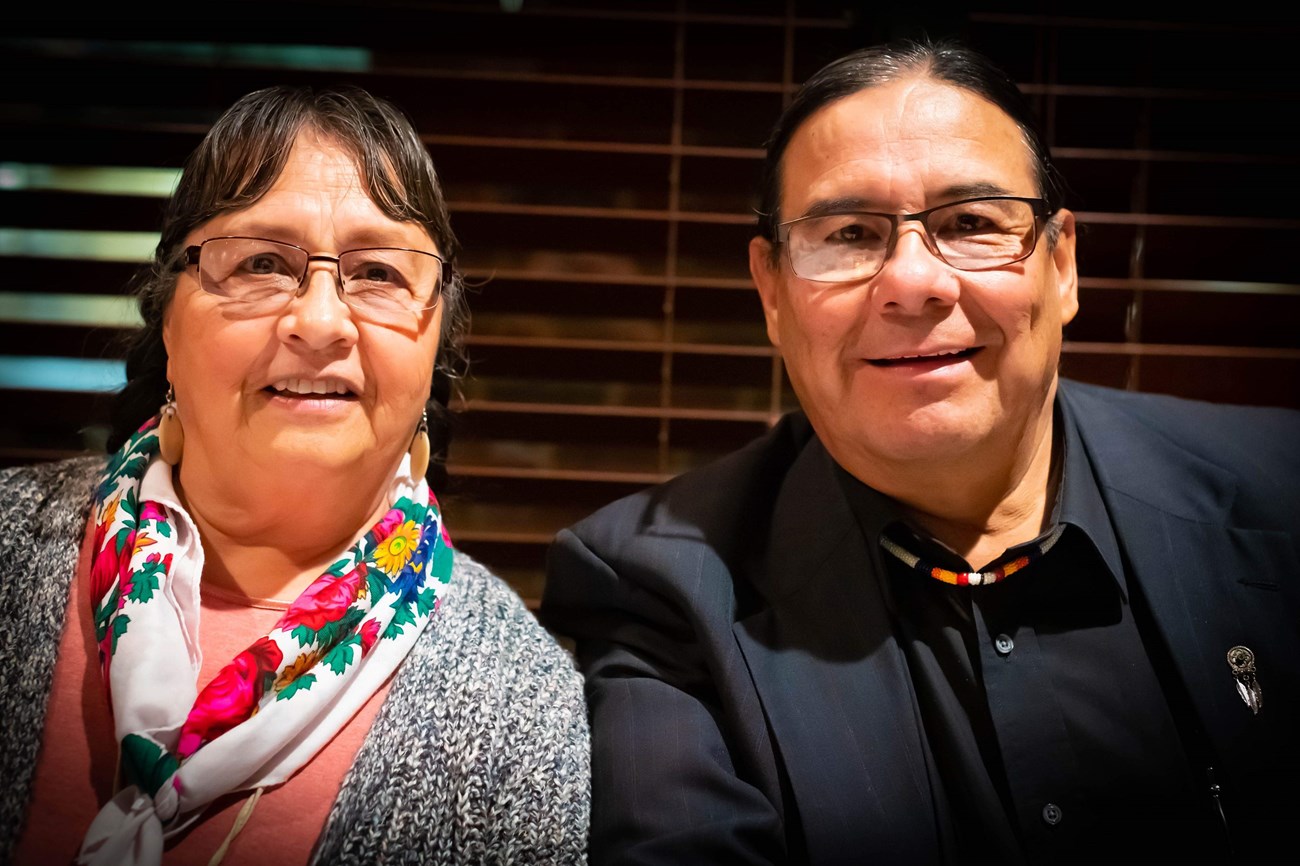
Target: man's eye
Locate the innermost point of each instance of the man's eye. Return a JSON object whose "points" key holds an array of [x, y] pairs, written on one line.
{"points": [[971, 222], [857, 233]]}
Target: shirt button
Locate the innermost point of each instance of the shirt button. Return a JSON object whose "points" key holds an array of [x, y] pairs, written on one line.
{"points": [[1004, 645], [1052, 814]]}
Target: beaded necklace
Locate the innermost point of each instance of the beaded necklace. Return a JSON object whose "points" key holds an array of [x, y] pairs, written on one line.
{"points": [[971, 578]]}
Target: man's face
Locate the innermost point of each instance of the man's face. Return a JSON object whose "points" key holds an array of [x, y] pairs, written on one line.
{"points": [[921, 362]]}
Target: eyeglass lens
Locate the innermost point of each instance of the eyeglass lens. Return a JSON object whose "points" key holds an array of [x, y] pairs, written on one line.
{"points": [[263, 273], [969, 235]]}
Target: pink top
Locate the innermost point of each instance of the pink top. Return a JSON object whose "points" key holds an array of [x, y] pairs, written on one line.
{"points": [[77, 761]]}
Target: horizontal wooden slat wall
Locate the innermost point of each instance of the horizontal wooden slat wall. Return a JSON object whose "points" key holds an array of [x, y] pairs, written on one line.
{"points": [[600, 159]]}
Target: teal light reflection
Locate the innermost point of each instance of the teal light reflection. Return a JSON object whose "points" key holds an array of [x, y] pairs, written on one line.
{"points": [[335, 58], [36, 373], [56, 308], [71, 244], [97, 180]]}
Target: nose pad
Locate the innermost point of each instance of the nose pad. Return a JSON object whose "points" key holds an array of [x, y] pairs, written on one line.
{"points": [[314, 270]]}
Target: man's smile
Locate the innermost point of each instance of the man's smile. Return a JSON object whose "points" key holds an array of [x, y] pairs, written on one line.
{"points": [[940, 357]]}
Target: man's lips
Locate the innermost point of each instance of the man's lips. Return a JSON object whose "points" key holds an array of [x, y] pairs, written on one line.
{"points": [[943, 357]]}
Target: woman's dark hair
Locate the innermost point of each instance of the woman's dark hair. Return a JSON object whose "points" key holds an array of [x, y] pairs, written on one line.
{"points": [[946, 61], [236, 164]]}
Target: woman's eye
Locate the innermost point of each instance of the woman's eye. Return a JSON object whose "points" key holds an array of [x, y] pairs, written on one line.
{"points": [[263, 264], [376, 274]]}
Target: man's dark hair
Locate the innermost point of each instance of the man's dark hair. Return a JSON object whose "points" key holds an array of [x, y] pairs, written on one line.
{"points": [[237, 163], [946, 61]]}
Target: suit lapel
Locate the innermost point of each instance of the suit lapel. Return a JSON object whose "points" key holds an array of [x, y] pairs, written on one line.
{"points": [[1191, 575], [1210, 585], [833, 682]]}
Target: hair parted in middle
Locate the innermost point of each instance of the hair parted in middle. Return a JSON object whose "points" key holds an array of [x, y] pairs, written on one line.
{"points": [[238, 162]]}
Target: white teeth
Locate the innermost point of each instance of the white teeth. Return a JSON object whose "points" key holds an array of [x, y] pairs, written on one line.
{"points": [[935, 355], [311, 386]]}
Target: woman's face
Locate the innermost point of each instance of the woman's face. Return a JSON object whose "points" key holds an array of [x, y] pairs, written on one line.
{"points": [[310, 387]]}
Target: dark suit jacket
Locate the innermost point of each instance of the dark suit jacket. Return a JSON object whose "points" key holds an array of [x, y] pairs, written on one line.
{"points": [[750, 702]]}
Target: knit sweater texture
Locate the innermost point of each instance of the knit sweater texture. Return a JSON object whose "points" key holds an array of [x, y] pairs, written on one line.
{"points": [[479, 755]]}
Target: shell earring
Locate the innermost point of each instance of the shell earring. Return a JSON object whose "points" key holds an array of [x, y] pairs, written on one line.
{"points": [[171, 436], [419, 448]]}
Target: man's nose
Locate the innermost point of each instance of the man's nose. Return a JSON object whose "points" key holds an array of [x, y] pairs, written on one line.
{"points": [[912, 277]]}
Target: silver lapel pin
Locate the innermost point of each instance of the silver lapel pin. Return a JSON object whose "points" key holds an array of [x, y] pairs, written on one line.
{"points": [[1242, 662]]}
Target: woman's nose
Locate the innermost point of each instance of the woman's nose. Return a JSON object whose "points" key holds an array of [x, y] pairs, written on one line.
{"points": [[317, 316]]}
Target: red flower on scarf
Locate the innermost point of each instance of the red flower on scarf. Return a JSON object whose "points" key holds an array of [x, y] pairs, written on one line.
{"points": [[323, 602], [369, 634], [106, 564], [384, 528], [150, 510], [231, 697]]}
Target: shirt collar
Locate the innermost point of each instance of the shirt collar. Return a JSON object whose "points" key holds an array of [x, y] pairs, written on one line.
{"points": [[1078, 502]]}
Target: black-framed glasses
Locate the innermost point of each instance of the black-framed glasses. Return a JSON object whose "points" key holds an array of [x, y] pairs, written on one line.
{"points": [[376, 282], [976, 234]]}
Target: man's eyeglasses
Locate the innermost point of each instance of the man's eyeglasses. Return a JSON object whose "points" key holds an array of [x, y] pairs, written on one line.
{"points": [[377, 282], [977, 234]]}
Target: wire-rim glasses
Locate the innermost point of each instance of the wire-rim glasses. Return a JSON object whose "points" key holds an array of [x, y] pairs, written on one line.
{"points": [[975, 234], [263, 275]]}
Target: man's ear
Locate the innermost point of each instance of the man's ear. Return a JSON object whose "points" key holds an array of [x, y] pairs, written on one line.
{"points": [[766, 273], [1066, 268]]}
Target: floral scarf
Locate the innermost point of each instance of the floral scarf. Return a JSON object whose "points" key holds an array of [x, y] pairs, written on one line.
{"points": [[268, 711]]}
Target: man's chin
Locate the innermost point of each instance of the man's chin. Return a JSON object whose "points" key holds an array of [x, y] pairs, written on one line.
{"points": [[934, 434]]}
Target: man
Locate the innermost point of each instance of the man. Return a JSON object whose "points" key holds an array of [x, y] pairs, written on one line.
{"points": [[958, 610]]}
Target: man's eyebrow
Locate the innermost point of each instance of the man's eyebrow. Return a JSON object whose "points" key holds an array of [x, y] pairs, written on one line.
{"points": [[850, 204], [827, 206], [974, 190]]}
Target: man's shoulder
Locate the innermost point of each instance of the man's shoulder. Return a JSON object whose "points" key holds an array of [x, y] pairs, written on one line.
{"points": [[710, 500], [1196, 424], [1169, 407], [1152, 445]]}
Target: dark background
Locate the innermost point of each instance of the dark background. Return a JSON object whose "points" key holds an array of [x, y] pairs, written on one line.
{"points": [[601, 160]]}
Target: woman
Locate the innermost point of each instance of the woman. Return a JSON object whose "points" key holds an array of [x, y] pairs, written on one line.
{"points": [[388, 698]]}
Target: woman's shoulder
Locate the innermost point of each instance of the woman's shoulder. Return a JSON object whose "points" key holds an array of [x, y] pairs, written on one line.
{"points": [[52, 497], [481, 751], [486, 669], [57, 479], [486, 630]]}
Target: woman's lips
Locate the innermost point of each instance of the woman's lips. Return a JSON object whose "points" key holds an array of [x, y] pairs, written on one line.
{"points": [[930, 359], [305, 387]]}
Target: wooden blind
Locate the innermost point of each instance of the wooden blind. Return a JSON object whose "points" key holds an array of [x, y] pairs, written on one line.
{"points": [[601, 159]]}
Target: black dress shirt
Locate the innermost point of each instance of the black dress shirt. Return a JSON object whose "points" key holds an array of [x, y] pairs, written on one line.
{"points": [[1052, 736]]}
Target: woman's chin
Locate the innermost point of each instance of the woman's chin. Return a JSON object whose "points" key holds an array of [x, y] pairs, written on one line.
{"points": [[323, 448], [334, 453]]}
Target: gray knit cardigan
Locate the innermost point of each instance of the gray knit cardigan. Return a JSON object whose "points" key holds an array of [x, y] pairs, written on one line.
{"points": [[480, 753]]}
